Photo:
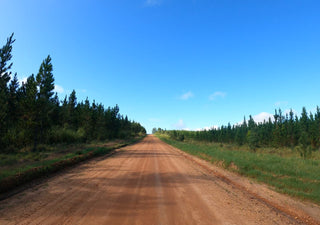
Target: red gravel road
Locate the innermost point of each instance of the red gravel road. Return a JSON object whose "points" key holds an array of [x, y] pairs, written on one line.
{"points": [[153, 183]]}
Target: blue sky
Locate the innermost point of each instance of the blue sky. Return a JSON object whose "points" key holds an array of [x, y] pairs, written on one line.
{"points": [[174, 64]]}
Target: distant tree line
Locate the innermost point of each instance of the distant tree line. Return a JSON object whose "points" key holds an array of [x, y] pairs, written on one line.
{"points": [[32, 113], [289, 130]]}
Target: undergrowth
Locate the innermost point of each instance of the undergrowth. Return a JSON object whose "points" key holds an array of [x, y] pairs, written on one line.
{"points": [[22, 167]]}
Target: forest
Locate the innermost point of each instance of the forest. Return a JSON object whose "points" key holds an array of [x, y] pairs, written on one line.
{"points": [[300, 133], [31, 114]]}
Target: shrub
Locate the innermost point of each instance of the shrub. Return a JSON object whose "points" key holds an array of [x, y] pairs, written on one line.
{"points": [[252, 139], [66, 135]]}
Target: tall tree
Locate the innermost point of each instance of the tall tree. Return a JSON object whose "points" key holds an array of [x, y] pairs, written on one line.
{"points": [[71, 118], [29, 94], [291, 129], [45, 82], [251, 123], [317, 122], [45, 79], [5, 66], [13, 101], [304, 120]]}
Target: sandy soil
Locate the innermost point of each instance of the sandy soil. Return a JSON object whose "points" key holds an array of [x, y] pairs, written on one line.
{"points": [[153, 183]]}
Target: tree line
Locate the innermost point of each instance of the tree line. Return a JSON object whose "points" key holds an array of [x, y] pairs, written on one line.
{"points": [[289, 130], [32, 114]]}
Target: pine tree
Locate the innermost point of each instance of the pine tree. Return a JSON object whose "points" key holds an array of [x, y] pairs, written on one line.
{"points": [[313, 131], [5, 56], [239, 139], [13, 101], [251, 123], [72, 103], [29, 108], [253, 140], [55, 116], [5, 66], [276, 134], [45, 79], [317, 122], [291, 129], [304, 120], [45, 82]]}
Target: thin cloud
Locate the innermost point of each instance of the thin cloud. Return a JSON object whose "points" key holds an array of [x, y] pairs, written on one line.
{"points": [[152, 3], [217, 94], [187, 95], [214, 127], [23, 80], [259, 118], [58, 89], [180, 125], [263, 116]]}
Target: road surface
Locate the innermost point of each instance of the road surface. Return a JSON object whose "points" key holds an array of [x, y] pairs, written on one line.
{"points": [[152, 183]]}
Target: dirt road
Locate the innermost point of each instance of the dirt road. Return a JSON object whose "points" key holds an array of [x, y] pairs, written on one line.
{"points": [[152, 183]]}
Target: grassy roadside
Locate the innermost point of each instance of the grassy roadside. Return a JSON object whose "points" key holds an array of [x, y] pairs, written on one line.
{"points": [[19, 168], [290, 175]]}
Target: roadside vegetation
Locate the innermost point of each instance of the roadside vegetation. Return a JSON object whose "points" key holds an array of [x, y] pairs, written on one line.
{"points": [[19, 168], [283, 153], [38, 130], [301, 134]]}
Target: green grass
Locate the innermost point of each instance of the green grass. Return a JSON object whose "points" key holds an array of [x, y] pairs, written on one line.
{"points": [[288, 174], [34, 160], [21, 167]]}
